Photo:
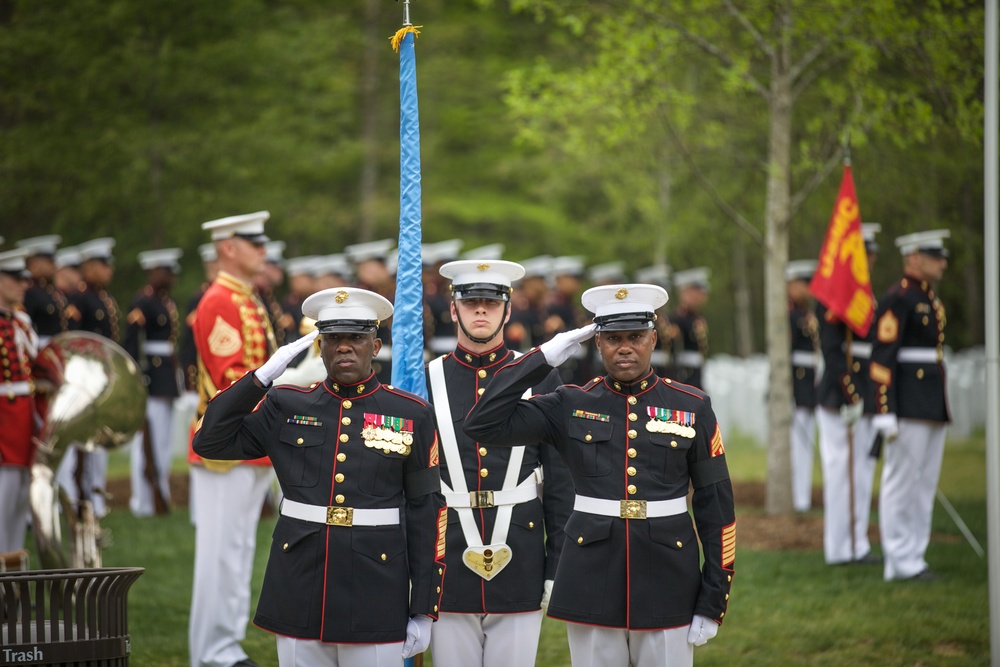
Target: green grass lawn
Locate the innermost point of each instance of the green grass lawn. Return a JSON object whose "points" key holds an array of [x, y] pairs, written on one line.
{"points": [[787, 608]]}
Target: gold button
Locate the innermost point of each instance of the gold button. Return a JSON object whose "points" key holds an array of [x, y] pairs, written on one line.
{"points": [[631, 471], [299, 441], [438, 589], [857, 367], [679, 544], [579, 540], [632, 433], [339, 498], [632, 400], [435, 607], [720, 615], [847, 380], [850, 388], [480, 391], [673, 443], [632, 416], [441, 571], [344, 437], [729, 578], [531, 524], [383, 556], [484, 473], [924, 321], [667, 380], [285, 546], [482, 451], [632, 453], [339, 477], [347, 404], [632, 489], [920, 373], [800, 373], [342, 457], [346, 421], [482, 373], [727, 596], [588, 437]]}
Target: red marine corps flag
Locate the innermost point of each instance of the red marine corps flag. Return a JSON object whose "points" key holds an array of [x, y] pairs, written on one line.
{"points": [[842, 281]]}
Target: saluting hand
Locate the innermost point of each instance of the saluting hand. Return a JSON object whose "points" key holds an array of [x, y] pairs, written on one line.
{"points": [[565, 344], [279, 361]]}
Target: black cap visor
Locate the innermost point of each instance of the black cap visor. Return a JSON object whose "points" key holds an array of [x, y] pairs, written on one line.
{"points": [[481, 291], [258, 239], [940, 253], [625, 322], [347, 326]]}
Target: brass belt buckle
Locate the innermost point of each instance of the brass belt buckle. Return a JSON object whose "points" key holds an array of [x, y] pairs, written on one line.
{"points": [[632, 509], [481, 499], [340, 516]]}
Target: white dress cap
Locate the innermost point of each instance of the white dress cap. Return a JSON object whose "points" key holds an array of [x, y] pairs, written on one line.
{"points": [[491, 251], [166, 258], [537, 267], [361, 252], [800, 269], [249, 226], [40, 245], [12, 261], [274, 252], [208, 252], [930, 243], [68, 256], [482, 279], [692, 278], [657, 274], [335, 264], [97, 249], [300, 266], [347, 309], [868, 232], [624, 307], [567, 266], [443, 251], [610, 272]]}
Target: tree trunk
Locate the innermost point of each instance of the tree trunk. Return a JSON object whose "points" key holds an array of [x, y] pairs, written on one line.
{"points": [[741, 297], [779, 399], [369, 121]]}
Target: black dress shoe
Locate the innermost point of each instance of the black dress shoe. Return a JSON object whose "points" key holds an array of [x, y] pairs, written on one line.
{"points": [[868, 559], [924, 575], [245, 662]]}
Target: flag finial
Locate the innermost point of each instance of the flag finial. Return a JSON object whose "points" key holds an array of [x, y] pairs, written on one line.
{"points": [[847, 149]]}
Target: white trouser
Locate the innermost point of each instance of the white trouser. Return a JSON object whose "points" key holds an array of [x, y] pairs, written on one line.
{"points": [[14, 507], [592, 646], [94, 476], [803, 442], [159, 417], [294, 652], [837, 479], [910, 474], [228, 512], [486, 640]]}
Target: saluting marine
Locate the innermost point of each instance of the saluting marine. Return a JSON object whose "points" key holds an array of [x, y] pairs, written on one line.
{"points": [[356, 566], [804, 335], [505, 525], [630, 581], [907, 370], [152, 326], [44, 303], [689, 330]]}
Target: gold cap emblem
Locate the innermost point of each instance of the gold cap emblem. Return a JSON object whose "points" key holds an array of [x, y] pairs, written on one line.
{"points": [[482, 267], [621, 294], [341, 296]]}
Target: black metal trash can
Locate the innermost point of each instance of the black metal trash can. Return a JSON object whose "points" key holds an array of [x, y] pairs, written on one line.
{"points": [[76, 618]]}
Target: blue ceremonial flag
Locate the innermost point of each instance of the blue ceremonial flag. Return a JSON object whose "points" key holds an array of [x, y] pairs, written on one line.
{"points": [[408, 310]]}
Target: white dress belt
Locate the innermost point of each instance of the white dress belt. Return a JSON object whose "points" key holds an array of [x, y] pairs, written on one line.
{"points": [[340, 516], [631, 509], [159, 348], [527, 490], [688, 358], [862, 350], [21, 388], [918, 355], [803, 359]]}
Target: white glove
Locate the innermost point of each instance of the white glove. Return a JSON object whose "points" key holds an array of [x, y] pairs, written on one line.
{"points": [[279, 361], [702, 629], [887, 425], [850, 413], [546, 594], [563, 345], [418, 635]]}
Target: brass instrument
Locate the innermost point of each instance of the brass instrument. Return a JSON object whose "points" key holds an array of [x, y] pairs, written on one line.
{"points": [[97, 399]]}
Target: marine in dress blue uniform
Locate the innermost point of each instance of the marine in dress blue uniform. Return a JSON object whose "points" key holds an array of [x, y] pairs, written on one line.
{"points": [[804, 335], [152, 327], [845, 407], [908, 374], [43, 302], [689, 329], [357, 555], [505, 528], [564, 313], [634, 443]]}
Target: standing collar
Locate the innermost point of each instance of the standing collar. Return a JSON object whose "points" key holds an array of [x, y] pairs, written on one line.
{"points": [[637, 386], [497, 355], [233, 283], [352, 391]]}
